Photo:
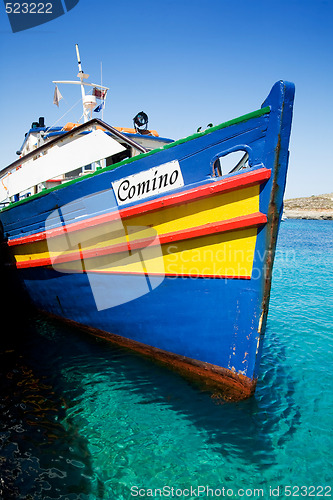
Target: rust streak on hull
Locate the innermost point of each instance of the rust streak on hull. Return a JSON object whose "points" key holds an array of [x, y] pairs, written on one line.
{"points": [[220, 382]]}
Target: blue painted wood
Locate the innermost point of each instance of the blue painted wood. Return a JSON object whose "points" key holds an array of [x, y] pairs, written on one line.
{"points": [[211, 320]]}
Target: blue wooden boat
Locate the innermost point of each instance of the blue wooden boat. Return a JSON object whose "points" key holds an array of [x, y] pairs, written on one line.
{"points": [[153, 243]]}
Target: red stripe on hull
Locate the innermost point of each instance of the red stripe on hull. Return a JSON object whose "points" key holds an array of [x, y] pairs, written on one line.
{"points": [[168, 275], [175, 275], [230, 184], [243, 222]]}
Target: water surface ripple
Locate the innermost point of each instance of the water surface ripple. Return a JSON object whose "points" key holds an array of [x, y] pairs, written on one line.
{"points": [[83, 419]]}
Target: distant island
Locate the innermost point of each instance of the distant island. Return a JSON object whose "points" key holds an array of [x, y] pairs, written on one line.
{"points": [[311, 207]]}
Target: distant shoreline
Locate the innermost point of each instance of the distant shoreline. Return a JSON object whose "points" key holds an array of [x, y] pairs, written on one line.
{"points": [[313, 207], [307, 214]]}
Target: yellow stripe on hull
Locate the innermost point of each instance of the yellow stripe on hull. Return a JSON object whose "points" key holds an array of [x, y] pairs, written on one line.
{"points": [[218, 255], [224, 254]]}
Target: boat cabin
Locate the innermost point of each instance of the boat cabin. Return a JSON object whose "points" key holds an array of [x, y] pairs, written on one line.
{"points": [[50, 156]]}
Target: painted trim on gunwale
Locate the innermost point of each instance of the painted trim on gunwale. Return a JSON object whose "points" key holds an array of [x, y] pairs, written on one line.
{"points": [[225, 185], [242, 119]]}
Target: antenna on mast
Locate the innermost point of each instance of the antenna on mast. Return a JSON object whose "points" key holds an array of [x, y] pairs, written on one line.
{"points": [[88, 101], [81, 75]]}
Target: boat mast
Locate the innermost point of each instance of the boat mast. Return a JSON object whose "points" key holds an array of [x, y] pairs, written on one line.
{"points": [[88, 101], [82, 77]]}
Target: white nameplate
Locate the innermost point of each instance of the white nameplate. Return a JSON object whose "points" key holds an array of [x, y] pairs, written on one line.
{"points": [[148, 183]]}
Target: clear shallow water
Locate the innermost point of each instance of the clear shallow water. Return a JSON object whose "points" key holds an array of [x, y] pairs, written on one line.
{"points": [[83, 419]]}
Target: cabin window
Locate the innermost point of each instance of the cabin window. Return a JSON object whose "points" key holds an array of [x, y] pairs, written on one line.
{"points": [[73, 173], [231, 162], [123, 155]]}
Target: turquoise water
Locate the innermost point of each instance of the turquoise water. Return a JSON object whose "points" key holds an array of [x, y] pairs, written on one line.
{"points": [[83, 419]]}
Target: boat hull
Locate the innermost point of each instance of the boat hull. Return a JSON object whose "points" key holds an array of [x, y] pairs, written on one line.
{"points": [[162, 254]]}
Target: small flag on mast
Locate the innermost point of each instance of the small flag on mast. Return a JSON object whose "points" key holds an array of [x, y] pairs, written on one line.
{"points": [[100, 107], [99, 93], [57, 96]]}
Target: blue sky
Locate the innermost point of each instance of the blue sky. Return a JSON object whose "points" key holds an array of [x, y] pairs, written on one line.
{"points": [[186, 63]]}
